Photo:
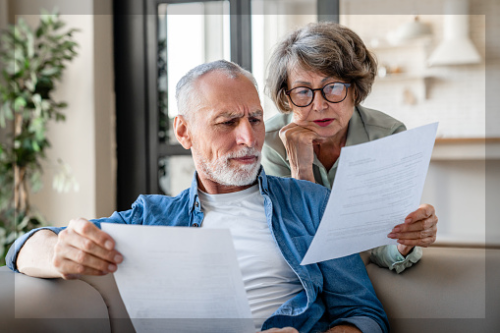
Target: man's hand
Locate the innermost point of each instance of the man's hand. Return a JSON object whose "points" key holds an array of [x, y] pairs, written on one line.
{"points": [[84, 249], [298, 142], [419, 229], [281, 330]]}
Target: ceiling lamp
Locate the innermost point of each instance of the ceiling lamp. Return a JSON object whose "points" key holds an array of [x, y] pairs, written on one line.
{"points": [[413, 30]]}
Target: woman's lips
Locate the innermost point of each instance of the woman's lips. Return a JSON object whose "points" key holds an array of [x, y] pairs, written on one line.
{"points": [[324, 122]]}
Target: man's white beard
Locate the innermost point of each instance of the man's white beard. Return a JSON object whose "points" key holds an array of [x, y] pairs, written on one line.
{"points": [[222, 173]]}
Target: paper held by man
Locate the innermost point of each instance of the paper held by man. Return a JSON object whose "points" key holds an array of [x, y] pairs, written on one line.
{"points": [[377, 185], [177, 279]]}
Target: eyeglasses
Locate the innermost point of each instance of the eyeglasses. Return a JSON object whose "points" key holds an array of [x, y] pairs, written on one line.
{"points": [[333, 92]]}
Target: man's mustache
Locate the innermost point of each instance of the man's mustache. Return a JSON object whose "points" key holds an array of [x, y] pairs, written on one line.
{"points": [[243, 152]]}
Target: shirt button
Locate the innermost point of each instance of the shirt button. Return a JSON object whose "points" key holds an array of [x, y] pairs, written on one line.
{"points": [[196, 225], [196, 204]]}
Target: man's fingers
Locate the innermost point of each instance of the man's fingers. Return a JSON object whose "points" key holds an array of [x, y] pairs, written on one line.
{"points": [[83, 249], [70, 270], [72, 239], [87, 260], [89, 230], [89, 246]]}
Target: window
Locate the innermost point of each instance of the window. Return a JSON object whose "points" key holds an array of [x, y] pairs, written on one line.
{"points": [[156, 42], [189, 34], [271, 20]]}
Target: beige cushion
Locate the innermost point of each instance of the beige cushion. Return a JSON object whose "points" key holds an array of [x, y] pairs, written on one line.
{"points": [[449, 290], [49, 305]]}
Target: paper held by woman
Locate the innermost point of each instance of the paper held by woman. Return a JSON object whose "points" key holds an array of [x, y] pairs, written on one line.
{"points": [[377, 185]]}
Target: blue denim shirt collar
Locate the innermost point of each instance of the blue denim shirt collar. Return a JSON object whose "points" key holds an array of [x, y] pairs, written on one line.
{"points": [[263, 185], [194, 201]]}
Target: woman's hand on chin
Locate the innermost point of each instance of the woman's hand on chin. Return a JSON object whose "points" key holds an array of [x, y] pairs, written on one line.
{"points": [[298, 142]]}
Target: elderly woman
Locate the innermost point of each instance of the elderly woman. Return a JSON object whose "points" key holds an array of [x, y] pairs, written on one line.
{"points": [[318, 76]]}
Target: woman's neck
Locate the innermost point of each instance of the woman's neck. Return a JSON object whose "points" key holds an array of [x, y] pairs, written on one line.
{"points": [[329, 151]]}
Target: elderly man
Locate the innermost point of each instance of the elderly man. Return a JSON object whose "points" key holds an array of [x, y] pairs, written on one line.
{"points": [[272, 220]]}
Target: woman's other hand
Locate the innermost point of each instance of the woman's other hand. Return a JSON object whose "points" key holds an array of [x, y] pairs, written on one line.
{"points": [[419, 229], [298, 142]]}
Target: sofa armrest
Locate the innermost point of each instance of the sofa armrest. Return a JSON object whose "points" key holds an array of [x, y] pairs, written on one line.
{"points": [[30, 304], [445, 292], [118, 315]]}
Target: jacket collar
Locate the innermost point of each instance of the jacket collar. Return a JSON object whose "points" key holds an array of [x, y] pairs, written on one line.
{"points": [[356, 132]]}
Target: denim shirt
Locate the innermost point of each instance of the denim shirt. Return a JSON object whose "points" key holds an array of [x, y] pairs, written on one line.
{"points": [[335, 291]]}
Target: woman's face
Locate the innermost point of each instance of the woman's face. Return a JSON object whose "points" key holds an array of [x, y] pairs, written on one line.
{"points": [[322, 117]]}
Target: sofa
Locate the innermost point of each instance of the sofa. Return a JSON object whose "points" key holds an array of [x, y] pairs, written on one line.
{"points": [[452, 289]]}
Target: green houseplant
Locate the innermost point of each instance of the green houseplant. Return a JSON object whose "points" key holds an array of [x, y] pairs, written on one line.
{"points": [[31, 61]]}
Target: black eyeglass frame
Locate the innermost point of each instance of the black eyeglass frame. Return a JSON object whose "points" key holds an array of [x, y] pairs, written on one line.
{"points": [[346, 85]]}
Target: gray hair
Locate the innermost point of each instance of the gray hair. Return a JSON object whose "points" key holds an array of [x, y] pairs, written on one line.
{"points": [[327, 48], [185, 85]]}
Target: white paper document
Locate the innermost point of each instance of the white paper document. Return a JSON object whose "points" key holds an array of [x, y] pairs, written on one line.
{"points": [[175, 279], [376, 186]]}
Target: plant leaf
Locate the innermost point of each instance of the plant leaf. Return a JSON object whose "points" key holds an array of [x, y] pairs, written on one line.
{"points": [[23, 223], [37, 98], [19, 103], [30, 44], [29, 84], [50, 71], [35, 146], [11, 237], [40, 31]]}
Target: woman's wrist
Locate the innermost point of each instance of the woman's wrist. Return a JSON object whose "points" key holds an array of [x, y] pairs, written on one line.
{"points": [[404, 249], [302, 174]]}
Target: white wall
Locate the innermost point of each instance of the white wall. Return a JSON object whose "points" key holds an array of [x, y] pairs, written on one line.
{"points": [[86, 139], [104, 121], [459, 186], [3, 14], [269, 25]]}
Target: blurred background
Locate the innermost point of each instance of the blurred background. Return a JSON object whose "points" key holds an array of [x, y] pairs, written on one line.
{"points": [[438, 61]]}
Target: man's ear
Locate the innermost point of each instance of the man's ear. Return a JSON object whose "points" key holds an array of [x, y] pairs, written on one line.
{"points": [[182, 132]]}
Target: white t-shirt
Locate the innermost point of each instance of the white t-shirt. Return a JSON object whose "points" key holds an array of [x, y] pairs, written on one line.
{"points": [[268, 279]]}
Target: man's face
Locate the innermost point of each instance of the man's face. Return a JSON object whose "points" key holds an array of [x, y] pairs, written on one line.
{"points": [[227, 130]]}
